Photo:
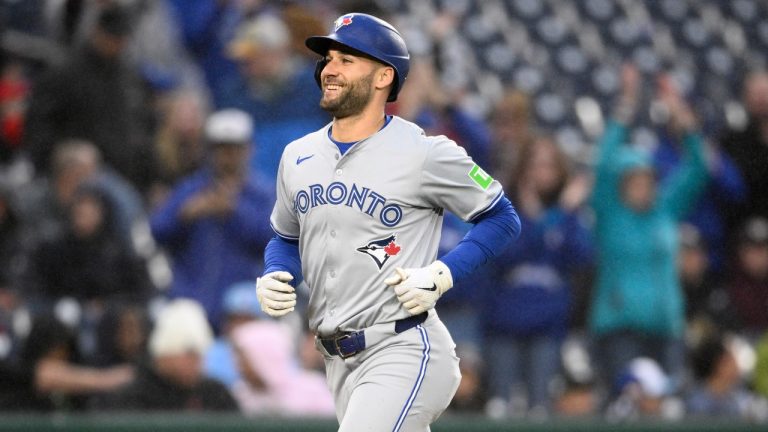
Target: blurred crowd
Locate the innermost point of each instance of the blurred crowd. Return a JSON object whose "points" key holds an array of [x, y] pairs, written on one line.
{"points": [[139, 141]]}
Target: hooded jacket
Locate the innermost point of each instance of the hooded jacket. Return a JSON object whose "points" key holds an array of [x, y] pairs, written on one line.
{"points": [[637, 287]]}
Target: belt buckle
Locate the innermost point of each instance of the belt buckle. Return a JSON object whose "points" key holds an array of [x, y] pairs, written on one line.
{"points": [[338, 347]]}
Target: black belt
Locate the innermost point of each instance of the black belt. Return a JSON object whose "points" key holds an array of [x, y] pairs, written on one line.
{"points": [[348, 344]]}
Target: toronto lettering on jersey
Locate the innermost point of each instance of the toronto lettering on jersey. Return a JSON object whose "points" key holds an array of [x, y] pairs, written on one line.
{"points": [[362, 198]]}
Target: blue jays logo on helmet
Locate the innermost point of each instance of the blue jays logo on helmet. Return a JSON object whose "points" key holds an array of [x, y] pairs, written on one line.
{"points": [[342, 21], [380, 250]]}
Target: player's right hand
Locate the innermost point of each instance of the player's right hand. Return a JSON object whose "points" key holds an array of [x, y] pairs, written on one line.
{"points": [[418, 289], [276, 297]]}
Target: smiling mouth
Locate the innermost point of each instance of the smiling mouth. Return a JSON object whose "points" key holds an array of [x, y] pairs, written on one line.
{"points": [[332, 88]]}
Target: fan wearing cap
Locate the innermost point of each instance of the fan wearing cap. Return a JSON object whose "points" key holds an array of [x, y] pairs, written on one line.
{"points": [[642, 391], [274, 86], [240, 306], [214, 224], [172, 379]]}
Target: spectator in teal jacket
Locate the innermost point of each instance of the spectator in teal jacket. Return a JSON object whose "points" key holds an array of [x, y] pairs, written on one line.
{"points": [[638, 305]]}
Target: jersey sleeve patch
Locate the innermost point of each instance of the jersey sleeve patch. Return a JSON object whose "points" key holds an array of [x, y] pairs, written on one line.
{"points": [[480, 177]]}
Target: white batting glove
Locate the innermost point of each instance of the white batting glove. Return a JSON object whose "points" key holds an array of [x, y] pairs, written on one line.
{"points": [[418, 289], [276, 297]]}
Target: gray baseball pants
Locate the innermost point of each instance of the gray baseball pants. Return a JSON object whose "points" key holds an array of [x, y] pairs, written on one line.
{"points": [[401, 384]]}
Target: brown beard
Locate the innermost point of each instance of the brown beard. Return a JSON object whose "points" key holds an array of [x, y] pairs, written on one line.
{"points": [[353, 99]]}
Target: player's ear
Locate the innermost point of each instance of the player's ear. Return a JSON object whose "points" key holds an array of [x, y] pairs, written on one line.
{"points": [[385, 76]]}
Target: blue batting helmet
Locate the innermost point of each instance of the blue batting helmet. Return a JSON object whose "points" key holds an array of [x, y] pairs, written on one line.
{"points": [[371, 36]]}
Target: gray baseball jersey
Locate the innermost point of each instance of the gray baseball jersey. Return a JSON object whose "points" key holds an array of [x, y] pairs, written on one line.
{"points": [[359, 215]]}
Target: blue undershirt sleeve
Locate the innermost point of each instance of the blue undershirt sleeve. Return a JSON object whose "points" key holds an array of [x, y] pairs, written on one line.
{"points": [[493, 232], [283, 255]]}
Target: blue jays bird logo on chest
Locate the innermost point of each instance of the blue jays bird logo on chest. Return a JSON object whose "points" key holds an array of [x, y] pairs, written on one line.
{"points": [[380, 250]]}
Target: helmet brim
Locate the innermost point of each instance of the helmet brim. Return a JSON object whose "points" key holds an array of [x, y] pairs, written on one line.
{"points": [[322, 44], [319, 44]]}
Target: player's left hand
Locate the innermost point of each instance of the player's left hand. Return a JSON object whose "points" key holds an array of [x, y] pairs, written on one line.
{"points": [[418, 289]]}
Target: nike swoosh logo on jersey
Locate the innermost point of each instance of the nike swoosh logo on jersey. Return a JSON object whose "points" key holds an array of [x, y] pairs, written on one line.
{"points": [[302, 159], [434, 288]]}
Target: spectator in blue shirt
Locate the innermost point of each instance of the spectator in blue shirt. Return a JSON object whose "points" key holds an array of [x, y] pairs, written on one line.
{"points": [[275, 86], [725, 189], [215, 223], [525, 313], [206, 27]]}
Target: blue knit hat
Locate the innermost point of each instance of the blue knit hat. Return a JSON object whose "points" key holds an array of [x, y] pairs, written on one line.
{"points": [[240, 299]]}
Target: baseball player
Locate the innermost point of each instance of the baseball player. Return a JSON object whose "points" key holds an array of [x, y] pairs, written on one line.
{"points": [[358, 214]]}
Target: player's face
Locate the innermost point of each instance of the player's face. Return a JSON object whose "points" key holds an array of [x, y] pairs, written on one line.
{"points": [[347, 83]]}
